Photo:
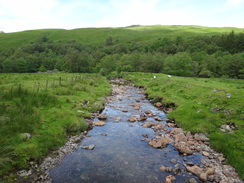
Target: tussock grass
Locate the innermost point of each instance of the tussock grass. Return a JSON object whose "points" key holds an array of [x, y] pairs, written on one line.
{"points": [[49, 113], [203, 105]]}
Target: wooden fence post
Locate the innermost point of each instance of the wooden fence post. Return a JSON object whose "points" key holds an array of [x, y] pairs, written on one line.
{"points": [[46, 85], [19, 90], [60, 81], [38, 87]]}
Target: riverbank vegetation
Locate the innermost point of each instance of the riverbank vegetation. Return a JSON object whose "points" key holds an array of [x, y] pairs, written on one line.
{"points": [[39, 111], [202, 105]]}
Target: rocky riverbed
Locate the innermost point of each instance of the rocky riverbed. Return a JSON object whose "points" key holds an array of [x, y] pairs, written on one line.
{"points": [[133, 141]]}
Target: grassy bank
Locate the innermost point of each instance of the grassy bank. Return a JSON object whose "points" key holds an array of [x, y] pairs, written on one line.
{"points": [[48, 107], [202, 105]]}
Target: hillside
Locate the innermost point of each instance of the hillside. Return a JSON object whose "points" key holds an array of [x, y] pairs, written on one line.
{"points": [[97, 36]]}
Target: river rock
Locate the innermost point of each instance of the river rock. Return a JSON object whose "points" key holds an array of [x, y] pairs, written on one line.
{"points": [[204, 153], [102, 116], [170, 124], [160, 126], [148, 124], [132, 119], [99, 123], [166, 140], [158, 104], [117, 119], [125, 110], [90, 147], [183, 147], [169, 179], [136, 106], [158, 119], [195, 170], [24, 173], [176, 131], [201, 137], [143, 117], [155, 142], [148, 112], [180, 137], [191, 180]]}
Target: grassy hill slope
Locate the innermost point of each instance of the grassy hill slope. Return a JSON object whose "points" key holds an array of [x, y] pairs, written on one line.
{"points": [[98, 36]]}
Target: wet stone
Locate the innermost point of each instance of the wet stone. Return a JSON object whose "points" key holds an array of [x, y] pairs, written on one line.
{"points": [[90, 147]]}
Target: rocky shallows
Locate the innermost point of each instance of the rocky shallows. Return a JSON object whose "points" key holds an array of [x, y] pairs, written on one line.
{"points": [[133, 141]]}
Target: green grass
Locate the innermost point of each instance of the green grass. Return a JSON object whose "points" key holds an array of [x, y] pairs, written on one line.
{"points": [[97, 36], [49, 113], [195, 98]]}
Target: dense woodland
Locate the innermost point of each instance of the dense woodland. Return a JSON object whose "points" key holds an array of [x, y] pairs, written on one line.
{"points": [[197, 56]]}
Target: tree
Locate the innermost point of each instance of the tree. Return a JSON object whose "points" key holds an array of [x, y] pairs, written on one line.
{"points": [[179, 64], [42, 68]]}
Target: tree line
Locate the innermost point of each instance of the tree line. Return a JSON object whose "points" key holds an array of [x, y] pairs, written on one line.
{"points": [[198, 56]]}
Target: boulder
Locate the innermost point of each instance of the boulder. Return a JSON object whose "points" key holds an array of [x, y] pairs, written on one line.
{"points": [[103, 116]]}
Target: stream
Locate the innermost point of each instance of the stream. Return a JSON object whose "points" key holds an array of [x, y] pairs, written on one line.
{"points": [[120, 154]]}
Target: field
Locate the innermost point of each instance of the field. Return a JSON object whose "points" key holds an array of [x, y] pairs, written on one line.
{"points": [[39, 111], [98, 36], [202, 105]]}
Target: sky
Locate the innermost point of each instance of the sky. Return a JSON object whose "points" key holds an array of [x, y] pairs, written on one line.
{"points": [[20, 15]]}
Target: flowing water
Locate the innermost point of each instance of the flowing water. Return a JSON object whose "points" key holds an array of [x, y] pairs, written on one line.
{"points": [[120, 155]]}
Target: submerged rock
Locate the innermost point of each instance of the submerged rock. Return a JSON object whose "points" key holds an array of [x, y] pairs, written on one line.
{"points": [[99, 123]]}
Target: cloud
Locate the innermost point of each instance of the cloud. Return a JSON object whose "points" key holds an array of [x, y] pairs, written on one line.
{"points": [[146, 12], [234, 2], [16, 15]]}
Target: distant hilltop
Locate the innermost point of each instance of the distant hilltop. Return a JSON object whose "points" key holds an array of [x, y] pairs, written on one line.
{"points": [[1, 32]]}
